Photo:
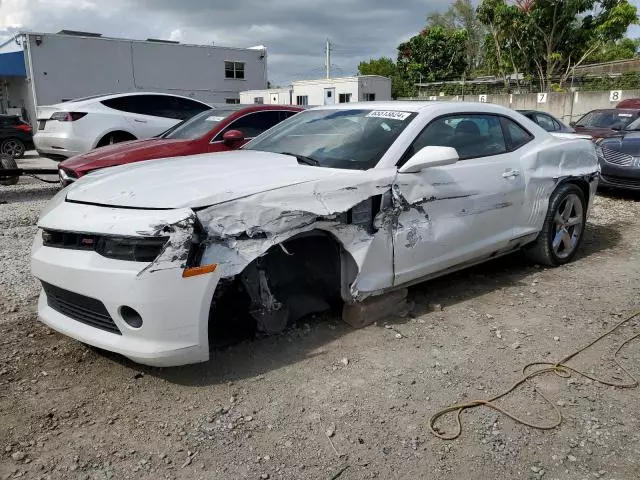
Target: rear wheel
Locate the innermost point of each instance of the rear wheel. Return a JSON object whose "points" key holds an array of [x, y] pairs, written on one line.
{"points": [[115, 137], [8, 162], [563, 228], [13, 147]]}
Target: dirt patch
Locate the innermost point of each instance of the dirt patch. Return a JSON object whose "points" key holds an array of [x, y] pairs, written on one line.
{"points": [[322, 396]]}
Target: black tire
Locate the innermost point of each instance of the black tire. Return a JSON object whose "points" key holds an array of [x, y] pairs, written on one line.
{"points": [[13, 147], [542, 250], [7, 161]]}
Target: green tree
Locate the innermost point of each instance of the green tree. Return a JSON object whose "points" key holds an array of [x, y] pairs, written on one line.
{"points": [[435, 54], [552, 37], [385, 67], [623, 49], [462, 15]]}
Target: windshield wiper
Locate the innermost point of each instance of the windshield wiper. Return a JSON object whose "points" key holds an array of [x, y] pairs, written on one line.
{"points": [[302, 159]]}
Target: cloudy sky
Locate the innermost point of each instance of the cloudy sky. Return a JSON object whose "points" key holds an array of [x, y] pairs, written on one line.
{"points": [[294, 31]]}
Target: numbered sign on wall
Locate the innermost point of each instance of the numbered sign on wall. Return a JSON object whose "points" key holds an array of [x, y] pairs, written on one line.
{"points": [[482, 98], [615, 95], [542, 97], [433, 98]]}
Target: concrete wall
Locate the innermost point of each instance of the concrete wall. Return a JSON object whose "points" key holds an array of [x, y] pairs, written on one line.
{"points": [[66, 67], [567, 107]]}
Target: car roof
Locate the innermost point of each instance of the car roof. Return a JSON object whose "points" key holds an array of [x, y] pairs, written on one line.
{"points": [[419, 106], [99, 98], [632, 110]]}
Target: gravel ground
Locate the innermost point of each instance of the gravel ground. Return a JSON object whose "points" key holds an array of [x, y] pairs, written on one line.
{"points": [[322, 396]]}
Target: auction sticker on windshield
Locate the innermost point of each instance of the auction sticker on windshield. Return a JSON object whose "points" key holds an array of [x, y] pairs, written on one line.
{"points": [[215, 119], [389, 114]]}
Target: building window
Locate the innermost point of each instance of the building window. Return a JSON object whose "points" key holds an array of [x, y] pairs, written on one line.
{"points": [[234, 70], [232, 101], [369, 97], [344, 98], [302, 100], [258, 100]]}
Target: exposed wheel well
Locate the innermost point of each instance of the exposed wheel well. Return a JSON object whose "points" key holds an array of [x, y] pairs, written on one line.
{"points": [[117, 135], [582, 184], [305, 274]]}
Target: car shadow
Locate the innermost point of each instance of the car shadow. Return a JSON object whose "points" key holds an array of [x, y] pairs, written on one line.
{"points": [[29, 193], [255, 357], [616, 194]]}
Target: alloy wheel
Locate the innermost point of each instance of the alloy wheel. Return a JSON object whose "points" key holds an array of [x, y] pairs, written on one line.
{"points": [[569, 222]]}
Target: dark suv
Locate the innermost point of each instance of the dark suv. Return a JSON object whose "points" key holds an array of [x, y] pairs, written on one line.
{"points": [[16, 136]]}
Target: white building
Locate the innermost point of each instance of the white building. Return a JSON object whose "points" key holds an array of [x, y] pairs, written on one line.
{"points": [[327, 91], [271, 96], [42, 69]]}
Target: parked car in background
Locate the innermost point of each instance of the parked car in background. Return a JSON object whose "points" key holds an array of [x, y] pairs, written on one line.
{"points": [[546, 121], [605, 122], [330, 208], [619, 157], [629, 103], [78, 126], [16, 136], [218, 130]]}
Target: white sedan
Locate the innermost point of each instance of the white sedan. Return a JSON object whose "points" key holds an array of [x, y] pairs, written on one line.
{"points": [[78, 126], [338, 206]]}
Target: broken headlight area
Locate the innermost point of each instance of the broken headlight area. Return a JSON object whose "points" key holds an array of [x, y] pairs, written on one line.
{"points": [[131, 249]]}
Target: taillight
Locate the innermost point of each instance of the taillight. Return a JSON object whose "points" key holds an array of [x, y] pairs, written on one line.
{"points": [[25, 127], [67, 116]]}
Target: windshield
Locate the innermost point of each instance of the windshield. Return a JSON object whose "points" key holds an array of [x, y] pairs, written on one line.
{"points": [[197, 126], [351, 139], [635, 125], [613, 119]]}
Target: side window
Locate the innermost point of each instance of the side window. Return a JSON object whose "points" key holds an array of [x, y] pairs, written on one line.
{"points": [[516, 136], [471, 135], [253, 124], [129, 104], [546, 122], [184, 109], [285, 114]]}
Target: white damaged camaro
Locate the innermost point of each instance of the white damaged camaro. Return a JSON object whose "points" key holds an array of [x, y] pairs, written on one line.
{"points": [[336, 207]]}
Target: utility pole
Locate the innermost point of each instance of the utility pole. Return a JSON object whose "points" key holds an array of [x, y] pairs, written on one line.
{"points": [[328, 52]]}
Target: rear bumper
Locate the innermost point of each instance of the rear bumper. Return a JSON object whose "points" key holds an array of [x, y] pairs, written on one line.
{"points": [[59, 144]]}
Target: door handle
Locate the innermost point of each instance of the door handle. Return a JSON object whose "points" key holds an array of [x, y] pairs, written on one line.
{"points": [[510, 173], [139, 121]]}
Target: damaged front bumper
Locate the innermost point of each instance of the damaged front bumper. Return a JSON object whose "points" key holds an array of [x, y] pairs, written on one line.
{"points": [[174, 309]]}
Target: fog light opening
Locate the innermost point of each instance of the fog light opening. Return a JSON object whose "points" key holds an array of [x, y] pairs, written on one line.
{"points": [[130, 316]]}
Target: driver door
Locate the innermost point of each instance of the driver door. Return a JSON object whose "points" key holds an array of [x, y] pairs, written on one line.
{"points": [[458, 213]]}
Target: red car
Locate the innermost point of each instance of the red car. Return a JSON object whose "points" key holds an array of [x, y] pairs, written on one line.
{"points": [[605, 123], [216, 130]]}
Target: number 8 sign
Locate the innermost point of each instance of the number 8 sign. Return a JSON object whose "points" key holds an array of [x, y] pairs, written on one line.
{"points": [[615, 95]]}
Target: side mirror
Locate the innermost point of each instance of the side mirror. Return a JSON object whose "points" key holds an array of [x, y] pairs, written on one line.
{"points": [[430, 157], [233, 138]]}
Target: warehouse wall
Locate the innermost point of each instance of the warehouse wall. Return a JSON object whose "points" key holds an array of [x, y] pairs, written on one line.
{"points": [[67, 67]]}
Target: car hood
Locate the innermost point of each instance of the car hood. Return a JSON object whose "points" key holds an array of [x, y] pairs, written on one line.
{"points": [[628, 143], [597, 132], [125, 152], [200, 180]]}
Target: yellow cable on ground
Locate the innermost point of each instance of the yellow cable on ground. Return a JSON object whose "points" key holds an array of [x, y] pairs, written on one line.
{"points": [[560, 368]]}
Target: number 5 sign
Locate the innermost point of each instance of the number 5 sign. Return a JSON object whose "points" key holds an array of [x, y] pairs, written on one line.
{"points": [[542, 97], [615, 95]]}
